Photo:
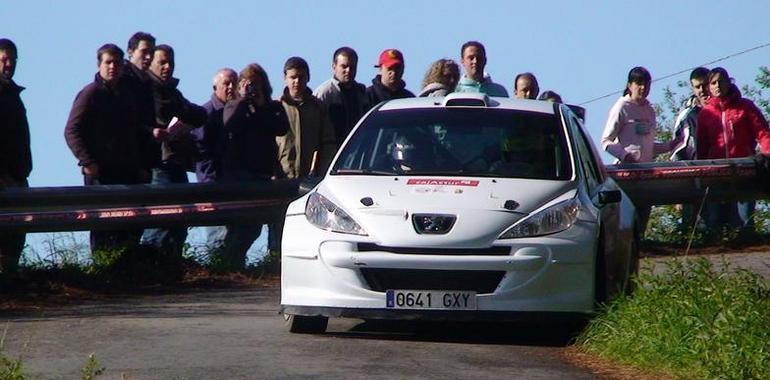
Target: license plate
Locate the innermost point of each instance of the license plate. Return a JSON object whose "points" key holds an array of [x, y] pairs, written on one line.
{"points": [[430, 299]]}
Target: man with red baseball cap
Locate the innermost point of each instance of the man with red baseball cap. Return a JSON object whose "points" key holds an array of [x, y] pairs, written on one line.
{"points": [[388, 83]]}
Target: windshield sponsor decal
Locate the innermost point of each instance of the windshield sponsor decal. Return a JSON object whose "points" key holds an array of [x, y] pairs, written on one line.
{"points": [[442, 182]]}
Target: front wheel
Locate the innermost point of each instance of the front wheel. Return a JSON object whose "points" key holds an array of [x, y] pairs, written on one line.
{"points": [[303, 324], [601, 283], [633, 266]]}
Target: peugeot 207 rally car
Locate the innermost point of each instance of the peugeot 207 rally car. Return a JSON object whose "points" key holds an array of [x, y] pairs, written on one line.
{"points": [[458, 208]]}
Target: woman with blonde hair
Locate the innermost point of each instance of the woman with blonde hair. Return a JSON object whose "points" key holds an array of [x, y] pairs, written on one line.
{"points": [[441, 78]]}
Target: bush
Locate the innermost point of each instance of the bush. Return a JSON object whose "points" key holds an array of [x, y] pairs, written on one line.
{"points": [[665, 226], [692, 321]]}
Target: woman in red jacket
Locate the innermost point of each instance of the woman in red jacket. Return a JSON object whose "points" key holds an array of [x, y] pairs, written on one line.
{"points": [[730, 126]]}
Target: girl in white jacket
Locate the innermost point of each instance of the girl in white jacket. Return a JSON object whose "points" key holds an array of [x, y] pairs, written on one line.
{"points": [[629, 134]]}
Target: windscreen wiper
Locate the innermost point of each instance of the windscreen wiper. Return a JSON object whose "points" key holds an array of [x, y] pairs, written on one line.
{"points": [[462, 173], [362, 172]]}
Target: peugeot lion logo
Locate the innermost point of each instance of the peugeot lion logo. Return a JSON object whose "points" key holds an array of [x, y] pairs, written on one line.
{"points": [[432, 223]]}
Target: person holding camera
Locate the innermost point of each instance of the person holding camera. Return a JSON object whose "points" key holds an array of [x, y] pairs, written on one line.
{"points": [[251, 124]]}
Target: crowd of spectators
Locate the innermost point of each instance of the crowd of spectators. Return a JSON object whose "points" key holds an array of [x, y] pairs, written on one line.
{"points": [[132, 125], [716, 122]]}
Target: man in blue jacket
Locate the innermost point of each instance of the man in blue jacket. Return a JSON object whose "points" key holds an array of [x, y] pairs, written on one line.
{"points": [[210, 138]]}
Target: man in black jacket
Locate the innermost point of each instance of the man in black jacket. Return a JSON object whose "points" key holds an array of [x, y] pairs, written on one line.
{"points": [[15, 155], [175, 116], [140, 49], [388, 84], [102, 133]]}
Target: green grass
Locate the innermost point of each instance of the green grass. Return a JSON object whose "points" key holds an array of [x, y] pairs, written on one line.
{"points": [[10, 369], [692, 322]]}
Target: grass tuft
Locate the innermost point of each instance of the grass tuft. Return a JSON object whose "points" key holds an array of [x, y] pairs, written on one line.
{"points": [[693, 321], [10, 369], [91, 369]]}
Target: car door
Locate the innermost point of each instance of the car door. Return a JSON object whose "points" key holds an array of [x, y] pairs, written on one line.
{"points": [[604, 197]]}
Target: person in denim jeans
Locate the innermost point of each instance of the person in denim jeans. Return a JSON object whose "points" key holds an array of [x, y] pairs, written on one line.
{"points": [[175, 116], [210, 140]]}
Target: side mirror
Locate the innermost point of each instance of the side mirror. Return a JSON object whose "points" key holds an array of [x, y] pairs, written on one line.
{"points": [[609, 196]]}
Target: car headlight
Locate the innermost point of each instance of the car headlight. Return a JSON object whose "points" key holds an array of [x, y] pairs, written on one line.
{"points": [[324, 214], [554, 219]]}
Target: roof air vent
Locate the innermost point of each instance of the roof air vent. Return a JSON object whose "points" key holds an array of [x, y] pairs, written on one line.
{"points": [[466, 99]]}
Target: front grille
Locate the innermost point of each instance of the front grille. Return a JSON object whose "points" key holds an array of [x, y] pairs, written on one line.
{"points": [[381, 279], [491, 251]]}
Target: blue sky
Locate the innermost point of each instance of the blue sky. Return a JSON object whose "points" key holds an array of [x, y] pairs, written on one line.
{"points": [[579, 49]]}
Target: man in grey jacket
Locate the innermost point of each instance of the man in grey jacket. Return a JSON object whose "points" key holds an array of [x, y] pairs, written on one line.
{"points": [[344, 98]]}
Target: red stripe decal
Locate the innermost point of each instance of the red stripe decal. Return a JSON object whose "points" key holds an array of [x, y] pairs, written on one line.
{"points": [[442, 182]]}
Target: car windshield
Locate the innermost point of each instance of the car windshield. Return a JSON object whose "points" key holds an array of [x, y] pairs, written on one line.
{"points": [[458, 141]]}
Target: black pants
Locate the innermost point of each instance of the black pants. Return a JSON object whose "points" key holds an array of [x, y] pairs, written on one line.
{"points": [[11, 243], [113, 240]]}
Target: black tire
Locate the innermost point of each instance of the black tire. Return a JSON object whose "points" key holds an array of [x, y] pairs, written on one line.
{"points": [[303, 324], [601, 288], [633, 266]]}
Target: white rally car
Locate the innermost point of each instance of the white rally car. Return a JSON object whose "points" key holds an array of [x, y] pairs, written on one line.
{"points": [[458, 208]]}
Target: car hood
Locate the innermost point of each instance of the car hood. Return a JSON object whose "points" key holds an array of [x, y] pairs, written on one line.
{"points": [[478, 203]]}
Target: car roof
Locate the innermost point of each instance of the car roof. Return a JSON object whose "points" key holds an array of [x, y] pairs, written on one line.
{"points": [[470, 100]]}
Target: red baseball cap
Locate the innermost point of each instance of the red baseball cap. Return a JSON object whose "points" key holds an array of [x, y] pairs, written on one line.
{"points": [[390, 58]]}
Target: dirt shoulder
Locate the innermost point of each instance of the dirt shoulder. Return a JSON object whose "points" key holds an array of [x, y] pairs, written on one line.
{"points": [[35, 289], [755, 258]]}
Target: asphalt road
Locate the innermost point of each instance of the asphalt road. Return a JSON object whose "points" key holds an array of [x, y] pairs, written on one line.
{"points": [[238, 334]]}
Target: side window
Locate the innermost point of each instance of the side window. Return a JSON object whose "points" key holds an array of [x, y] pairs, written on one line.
{"points": [[585, 156]]}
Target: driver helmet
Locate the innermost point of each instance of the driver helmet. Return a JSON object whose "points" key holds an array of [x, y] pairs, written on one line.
{"points": [[402, 150]]}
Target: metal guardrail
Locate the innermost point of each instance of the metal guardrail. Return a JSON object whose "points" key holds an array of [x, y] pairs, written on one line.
{"points": [[77, 208], [658, 183]]}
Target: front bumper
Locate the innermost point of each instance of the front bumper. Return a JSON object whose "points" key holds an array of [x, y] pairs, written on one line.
{"points": [[322, 274]]}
